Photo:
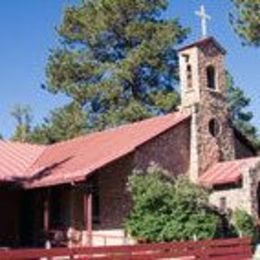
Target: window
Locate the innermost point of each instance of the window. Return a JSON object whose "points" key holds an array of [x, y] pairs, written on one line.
{"points": [[95, 207], [211, 77], [214, 127], [56, 211], [189, 76], [186, 57], [223, 203], [95, 201]]}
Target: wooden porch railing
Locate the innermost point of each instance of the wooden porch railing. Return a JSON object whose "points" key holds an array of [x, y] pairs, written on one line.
{"points": [[231, 249], [59, 238]]}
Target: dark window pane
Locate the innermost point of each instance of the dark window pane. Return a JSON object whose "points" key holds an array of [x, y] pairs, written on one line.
{"points": [[211, 77]]}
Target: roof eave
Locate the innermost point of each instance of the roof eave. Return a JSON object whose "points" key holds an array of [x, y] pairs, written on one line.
{"points": [[203, 41]]}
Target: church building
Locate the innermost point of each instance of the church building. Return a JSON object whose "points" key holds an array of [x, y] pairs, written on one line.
{"points": [[76, 191]]}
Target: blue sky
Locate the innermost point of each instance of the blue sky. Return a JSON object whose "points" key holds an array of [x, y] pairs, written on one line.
{"points": [[27, 30]]}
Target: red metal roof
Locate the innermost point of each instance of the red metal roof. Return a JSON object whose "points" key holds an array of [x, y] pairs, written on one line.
{"points": [[73, 160], [227, 172], [16, 158]]}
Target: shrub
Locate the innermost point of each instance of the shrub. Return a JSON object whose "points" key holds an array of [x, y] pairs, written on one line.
{"points": [[244, 223], [166, 209]]}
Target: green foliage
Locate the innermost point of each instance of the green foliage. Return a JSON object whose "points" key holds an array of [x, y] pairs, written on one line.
{"points": [[240, 116], [244, 223], [23, 116], [117, 60], [167, 210], [63, 124], [246, 21]]}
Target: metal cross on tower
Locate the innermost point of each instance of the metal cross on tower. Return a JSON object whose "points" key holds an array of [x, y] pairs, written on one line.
{"points": [[204, 17]]}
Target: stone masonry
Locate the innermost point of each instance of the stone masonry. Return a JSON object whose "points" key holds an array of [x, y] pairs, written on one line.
{"points": [[206, 104], [243, 196]]}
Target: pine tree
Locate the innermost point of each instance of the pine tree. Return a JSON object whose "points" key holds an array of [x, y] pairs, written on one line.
{"points": [[62, 124], [246, 21], [23, 116], [240, 115], [117, 60]]}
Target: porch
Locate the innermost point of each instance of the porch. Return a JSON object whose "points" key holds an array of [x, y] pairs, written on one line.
{"points": [[69, 215]]}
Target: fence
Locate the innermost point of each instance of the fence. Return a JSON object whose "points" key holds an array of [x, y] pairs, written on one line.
{"points": [[231, 249]]}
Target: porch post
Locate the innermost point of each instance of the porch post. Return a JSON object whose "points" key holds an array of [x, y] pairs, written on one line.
{"points": [[88, 214], [46, 207]]}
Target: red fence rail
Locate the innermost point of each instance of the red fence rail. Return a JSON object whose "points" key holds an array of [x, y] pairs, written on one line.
{"points": [[230, 249]]}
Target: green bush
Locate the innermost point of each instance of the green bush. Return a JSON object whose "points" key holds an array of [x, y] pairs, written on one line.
{"points": [[168, 210], [244, 223]]}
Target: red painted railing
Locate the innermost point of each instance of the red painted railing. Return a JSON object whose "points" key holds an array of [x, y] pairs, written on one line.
{"points": [[231, 249]]}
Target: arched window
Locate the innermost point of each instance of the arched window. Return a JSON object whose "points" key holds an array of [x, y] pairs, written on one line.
{"points": [[214, 127], [189, 76], [211, 77]]}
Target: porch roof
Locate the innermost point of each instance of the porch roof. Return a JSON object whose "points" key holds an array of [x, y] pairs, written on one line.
{"points": [[73, 160], [16, 158], [227, 172]]}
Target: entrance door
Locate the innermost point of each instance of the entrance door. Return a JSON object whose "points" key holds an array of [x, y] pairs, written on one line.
{"points": [[31, 219], [9, 217]]}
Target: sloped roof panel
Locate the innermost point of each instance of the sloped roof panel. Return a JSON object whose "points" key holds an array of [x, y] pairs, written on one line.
{"points": [[16, 158], [75, 159], [227, 172]]}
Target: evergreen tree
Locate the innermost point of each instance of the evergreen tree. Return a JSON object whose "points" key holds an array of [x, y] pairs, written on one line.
{"points": [[118, 64], [240, 116], [246, 21], [63, 123], [22, 115], [117, 60]]}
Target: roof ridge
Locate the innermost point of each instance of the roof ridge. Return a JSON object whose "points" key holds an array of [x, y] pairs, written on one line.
{"points": [[127, 124], [23, 143], [119, 127]]}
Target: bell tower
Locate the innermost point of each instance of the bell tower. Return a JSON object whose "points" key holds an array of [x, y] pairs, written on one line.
{"points": [[204, 93]]}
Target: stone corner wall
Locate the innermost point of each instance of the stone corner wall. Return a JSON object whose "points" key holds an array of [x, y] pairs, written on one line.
{"points": [[244, 197], [235, 197], [253, 182], [213, 105]]}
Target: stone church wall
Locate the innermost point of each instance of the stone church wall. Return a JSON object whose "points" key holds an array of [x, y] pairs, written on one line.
{"points": [[253, 182], [245, 197], [114, 199], [234, 198], [207, 97], [171, 150], [213, 105]]}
